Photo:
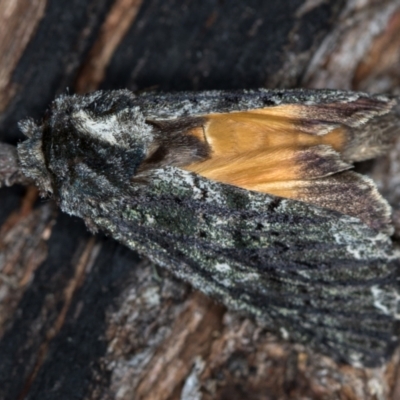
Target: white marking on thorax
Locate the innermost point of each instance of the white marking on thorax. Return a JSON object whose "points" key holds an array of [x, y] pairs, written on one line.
{"points": [[101, 129]]}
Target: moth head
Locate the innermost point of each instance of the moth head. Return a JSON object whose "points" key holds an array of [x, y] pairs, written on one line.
{"points": [[31, 156], [84, 138]]}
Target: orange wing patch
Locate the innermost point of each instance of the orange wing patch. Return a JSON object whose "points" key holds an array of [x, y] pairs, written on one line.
{"points": [[265, 148], [294, 151], [272, 127]]}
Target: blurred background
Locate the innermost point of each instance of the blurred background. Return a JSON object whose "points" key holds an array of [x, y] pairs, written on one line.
{"points": [[83, 317]]}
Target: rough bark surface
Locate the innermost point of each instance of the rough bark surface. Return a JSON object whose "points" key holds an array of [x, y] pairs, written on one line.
{"points": [[84, 317]]}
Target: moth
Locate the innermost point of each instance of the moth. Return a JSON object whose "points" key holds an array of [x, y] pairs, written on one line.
{"points": [[248, 195]]}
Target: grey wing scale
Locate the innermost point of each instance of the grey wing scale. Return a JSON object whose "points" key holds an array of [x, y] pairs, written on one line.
{"points": [[184, 104], [326, 279]]}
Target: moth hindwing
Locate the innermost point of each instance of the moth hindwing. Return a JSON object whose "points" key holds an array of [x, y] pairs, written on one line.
{"points": [[247, 195]]}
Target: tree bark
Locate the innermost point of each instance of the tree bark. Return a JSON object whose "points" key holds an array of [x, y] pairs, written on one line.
{"points": [[83, 317]]}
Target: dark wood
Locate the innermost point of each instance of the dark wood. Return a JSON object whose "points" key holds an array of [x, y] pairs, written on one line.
{"points": [[50, 59], [83, 317]]}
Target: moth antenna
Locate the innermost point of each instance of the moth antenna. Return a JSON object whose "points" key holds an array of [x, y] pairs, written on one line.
{"points": [[10, 170], [28, 127]]}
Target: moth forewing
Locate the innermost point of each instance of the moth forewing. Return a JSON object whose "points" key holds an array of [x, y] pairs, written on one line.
{"points": [[191, 180], [291, 150]]}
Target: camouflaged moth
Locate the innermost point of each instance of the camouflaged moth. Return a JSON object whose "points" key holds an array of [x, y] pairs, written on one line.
{"points": [[247, 195]]}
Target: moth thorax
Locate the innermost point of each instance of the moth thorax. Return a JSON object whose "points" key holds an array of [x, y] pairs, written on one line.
{"points": [[126, 128]]}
